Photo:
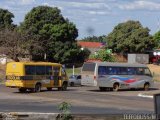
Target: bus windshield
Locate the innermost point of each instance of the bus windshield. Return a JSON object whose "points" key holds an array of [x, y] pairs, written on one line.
{"points": [[88, 68]]}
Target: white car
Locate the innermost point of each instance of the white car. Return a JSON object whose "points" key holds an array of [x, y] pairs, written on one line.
{"points": [[75, 80]]}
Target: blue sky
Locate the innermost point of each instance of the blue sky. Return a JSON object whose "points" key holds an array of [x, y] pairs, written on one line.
{"points": [[94, 17]]}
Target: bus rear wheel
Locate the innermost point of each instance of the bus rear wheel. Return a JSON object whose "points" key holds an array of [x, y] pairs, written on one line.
{"points": [[115, 87], [37, 88], [63, 88], [22, 90], [146, 86]]}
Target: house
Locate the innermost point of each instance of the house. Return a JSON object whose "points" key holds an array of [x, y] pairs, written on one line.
{"points": [[92, 46]]}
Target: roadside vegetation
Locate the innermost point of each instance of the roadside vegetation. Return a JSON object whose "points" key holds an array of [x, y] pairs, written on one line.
{"points": [[69, 71], [103, 55], [65, 109]]}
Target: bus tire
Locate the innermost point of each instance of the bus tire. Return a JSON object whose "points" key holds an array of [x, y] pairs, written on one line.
{"points": [[64, 87], [72, 84], [146, 86], [37, 87], [102, 88], [49, 88], [115, 87], [22, 90]]}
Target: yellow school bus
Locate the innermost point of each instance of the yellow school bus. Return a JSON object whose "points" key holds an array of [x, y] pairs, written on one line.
{"points": [[35, 75]]}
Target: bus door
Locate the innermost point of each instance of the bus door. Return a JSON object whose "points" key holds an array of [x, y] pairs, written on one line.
{"points": [[49, 75], [63, 74], [56, 71]]}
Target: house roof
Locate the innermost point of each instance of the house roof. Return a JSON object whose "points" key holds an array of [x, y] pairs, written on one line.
{"points": [[91, 44]]}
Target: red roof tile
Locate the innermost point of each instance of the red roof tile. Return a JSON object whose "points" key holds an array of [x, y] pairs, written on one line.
{"points": [[90, 44]]}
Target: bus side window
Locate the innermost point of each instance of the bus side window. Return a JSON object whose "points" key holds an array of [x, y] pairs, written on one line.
{"points": [[102, 70], [123, 70], [140, 71], [40, 70], [131, 71], [48, 70], [110, 71], [56, 71], [30, 70]]}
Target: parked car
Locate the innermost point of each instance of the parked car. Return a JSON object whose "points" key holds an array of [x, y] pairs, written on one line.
{"points": [[75, 80]]}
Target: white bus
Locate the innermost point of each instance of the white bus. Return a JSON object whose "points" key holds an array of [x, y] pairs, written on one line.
{"points": [[116, 75]]}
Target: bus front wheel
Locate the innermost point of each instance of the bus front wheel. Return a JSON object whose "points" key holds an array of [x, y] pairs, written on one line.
{"points": [[146, 86], [115, 87]]}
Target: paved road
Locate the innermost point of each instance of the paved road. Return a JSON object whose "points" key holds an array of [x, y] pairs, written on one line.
{"points": [[88, 100]]}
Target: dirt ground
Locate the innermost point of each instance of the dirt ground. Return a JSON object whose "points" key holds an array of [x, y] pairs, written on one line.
{"points": [[155, 69], [2, 73]]}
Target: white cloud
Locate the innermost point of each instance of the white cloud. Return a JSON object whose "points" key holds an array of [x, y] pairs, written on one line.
{"points": [[84, 4], [46, 4], [21, 2], [27, 2], [94, 20], [89, 5], [98, 13], [140, 5]]}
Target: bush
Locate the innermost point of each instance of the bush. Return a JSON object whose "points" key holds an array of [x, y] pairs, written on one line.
{"points": [[103, 55]]}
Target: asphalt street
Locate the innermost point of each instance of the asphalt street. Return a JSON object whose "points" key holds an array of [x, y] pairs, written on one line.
{"points": [[84, 100]]}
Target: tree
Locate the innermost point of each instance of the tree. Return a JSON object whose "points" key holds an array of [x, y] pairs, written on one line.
{"points": [[95, 39], [54, 34], [6, 19], [11, 43], [103, 55], [156, 37], [130, 37]]}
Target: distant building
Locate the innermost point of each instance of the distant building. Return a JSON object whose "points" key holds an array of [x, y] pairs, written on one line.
{"points": [[92, 46]]}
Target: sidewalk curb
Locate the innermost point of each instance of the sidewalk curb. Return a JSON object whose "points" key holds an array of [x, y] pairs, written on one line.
{"points": [[145, 96], [28, 116], [56, 116]]}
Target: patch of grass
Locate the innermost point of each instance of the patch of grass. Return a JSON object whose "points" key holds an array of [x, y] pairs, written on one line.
{"points": [[69, 71]]}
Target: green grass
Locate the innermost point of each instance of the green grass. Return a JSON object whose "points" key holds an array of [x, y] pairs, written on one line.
{"points": [[69, 71]]}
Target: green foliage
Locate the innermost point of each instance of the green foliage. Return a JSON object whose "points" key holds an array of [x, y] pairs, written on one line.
{"points": [[6, 19], [103, 55], [130, 37], [95, 39], [65, 108], [156, 37], [54, 34]]}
